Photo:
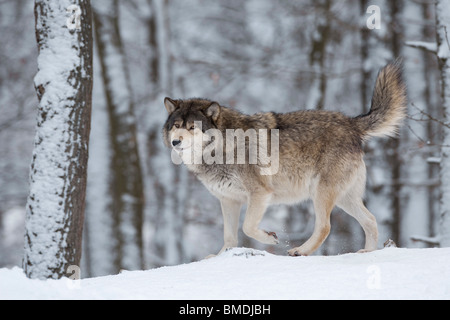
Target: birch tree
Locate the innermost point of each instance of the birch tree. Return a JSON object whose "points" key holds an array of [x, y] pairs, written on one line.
{"points": [[55, 206], [443, 53]]}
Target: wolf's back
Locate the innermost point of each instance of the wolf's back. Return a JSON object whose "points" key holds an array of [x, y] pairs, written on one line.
{"points": [[389, 103]]}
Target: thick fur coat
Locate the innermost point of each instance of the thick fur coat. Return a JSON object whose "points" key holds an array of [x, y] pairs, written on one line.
{"points": [[320, 156]]}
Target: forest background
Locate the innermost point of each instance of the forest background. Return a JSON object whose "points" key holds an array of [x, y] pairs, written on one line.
{"points": [[255, 55]]}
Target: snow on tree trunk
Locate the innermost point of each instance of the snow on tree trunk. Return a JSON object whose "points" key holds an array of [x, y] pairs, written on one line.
{"points": [[443, 31], [126, 185], [55, 206]]}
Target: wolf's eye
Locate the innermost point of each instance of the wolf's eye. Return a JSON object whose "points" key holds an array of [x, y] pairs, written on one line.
{"points": [[177, 126]]}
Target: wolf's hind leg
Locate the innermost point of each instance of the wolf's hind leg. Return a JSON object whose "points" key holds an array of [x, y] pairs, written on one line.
{"points": [[257, 206], [356, 208], [324, 203]]}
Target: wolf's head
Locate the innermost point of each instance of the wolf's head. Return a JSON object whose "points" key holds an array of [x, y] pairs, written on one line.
{"points": [[200, 131], [188, 121]]}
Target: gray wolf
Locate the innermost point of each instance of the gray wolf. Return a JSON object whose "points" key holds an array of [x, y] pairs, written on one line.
{"points": [[320, 157]]}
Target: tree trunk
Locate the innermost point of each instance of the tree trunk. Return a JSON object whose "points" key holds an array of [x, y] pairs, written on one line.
{"points": [[366, 70], [154, 45], [393, 145], [56, 202], [126, 185], [318, 55], [431, 101], [415, 174], [443, 31]]}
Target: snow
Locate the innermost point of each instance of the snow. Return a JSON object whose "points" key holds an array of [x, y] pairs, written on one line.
{"points": [[246, 274]]}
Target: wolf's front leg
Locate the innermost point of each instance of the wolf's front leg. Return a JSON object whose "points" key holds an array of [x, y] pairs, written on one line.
{"points": [[231, 210], [257, 206]]}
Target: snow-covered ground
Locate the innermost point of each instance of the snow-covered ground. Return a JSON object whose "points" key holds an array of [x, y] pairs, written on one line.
{"points": [[251, 274]]}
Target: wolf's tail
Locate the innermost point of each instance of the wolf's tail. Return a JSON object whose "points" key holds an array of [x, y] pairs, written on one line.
{"points": [[389, 103]]}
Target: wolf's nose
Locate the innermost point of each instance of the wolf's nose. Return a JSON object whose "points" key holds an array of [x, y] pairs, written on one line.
{"points": [[176, 142]]}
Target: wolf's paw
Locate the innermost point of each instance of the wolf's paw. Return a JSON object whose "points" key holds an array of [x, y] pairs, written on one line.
{"points": [[262, 236], [272, 237], [297, 252]]}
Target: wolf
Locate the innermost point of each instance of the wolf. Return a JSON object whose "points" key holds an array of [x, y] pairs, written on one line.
{"points": [[320, 157]]}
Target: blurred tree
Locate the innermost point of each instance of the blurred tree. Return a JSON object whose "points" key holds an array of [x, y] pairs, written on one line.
{"points": [[393, 145], [443, 53], [126, 185], [321, 35], [154, 63]]}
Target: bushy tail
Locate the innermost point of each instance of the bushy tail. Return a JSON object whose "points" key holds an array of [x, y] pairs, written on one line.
{"points": [[389, 103]]}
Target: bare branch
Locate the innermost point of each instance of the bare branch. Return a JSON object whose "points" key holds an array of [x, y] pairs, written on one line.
{"points": [[446, 37], [429, 117], [428, 240], [426, 46]]}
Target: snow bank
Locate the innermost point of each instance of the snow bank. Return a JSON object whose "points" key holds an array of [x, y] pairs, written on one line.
{"points": [[250, 274]]}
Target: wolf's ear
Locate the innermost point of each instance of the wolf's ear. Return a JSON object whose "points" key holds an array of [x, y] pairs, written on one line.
{"points": [[213, 111], [171, 105]]}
